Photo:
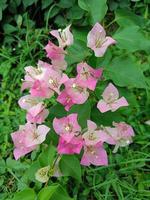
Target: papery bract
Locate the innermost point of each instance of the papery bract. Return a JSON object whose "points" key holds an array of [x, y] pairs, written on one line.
{"points": [[36, 134], [41, 89], [18, 138], [37, 114], [95, 155], [97, 40], [74, 146], [120, 135], [111, 100], [65, 99], [87, 76], [64, 37], [91, 136], [67, 127], [78, 93], [26, 102], [54, 52], [55, 79]]}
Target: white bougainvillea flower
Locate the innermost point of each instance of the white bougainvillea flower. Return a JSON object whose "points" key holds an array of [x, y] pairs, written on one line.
{"points": [[64, 37], [42, 174], [97, 40], [111, 100]]}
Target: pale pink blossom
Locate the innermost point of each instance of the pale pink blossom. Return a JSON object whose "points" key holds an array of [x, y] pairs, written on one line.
{"points": [[92, 135], [26, 102], [18, 138], [95, 155], [64, 37], [97, 40], [78, 93], [67, 127], [120, 135], [54, 52], [35, 134], [87, 76], [59, 65], [37, 114], [41, 89], [111, 100], [55, 79], [74, 146]]}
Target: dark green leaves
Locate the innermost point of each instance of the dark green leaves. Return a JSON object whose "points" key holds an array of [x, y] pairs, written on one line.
{"points": [[96, 8], [70, 166], [53, 192], [125, 71]]}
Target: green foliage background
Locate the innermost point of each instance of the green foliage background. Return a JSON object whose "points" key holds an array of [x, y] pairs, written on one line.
{"points": [[25, 26]]}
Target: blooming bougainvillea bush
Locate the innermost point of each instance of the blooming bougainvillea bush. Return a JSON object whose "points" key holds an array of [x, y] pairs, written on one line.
{"points": [[50, 80], [56, 99]]}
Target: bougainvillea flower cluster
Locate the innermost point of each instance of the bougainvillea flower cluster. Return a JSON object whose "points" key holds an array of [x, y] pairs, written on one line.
{"points": [[49, 79]]}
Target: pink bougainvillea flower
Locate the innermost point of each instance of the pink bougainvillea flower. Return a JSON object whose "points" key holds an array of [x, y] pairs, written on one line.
{"points": [[95, 155], [37, 114], [67, 127], [54, 52], [119, 135], [87, 76], [33, 74], [55, 79], [111, 100], [59, 65], [41, 89], [18, 138], [64, 37], [78, 93], [97, 40], [35, 134], [71, 147], [65, 99], [73, 94], [92, 136], [26, 102]]}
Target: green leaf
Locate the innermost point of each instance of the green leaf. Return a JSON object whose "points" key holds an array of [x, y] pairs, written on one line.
{"points": [[125, 71], [132, 39], [125, 17], [96, 8], [75, 13], [72, 55], [8, 28], [53, 192], [70, 166], [84, 111], [66, 3], [47, 156], [46, 3], [27, 3], [15, 164], [2, 166], [27, 194]]}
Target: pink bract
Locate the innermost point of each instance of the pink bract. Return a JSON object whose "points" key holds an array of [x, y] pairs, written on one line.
{"points": [[74, 146], [87, 76], [64, 37], [54, 52], [37, 114], [97, 40], [67, 127], [91, 136], [111, 100], [95, 155]]}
